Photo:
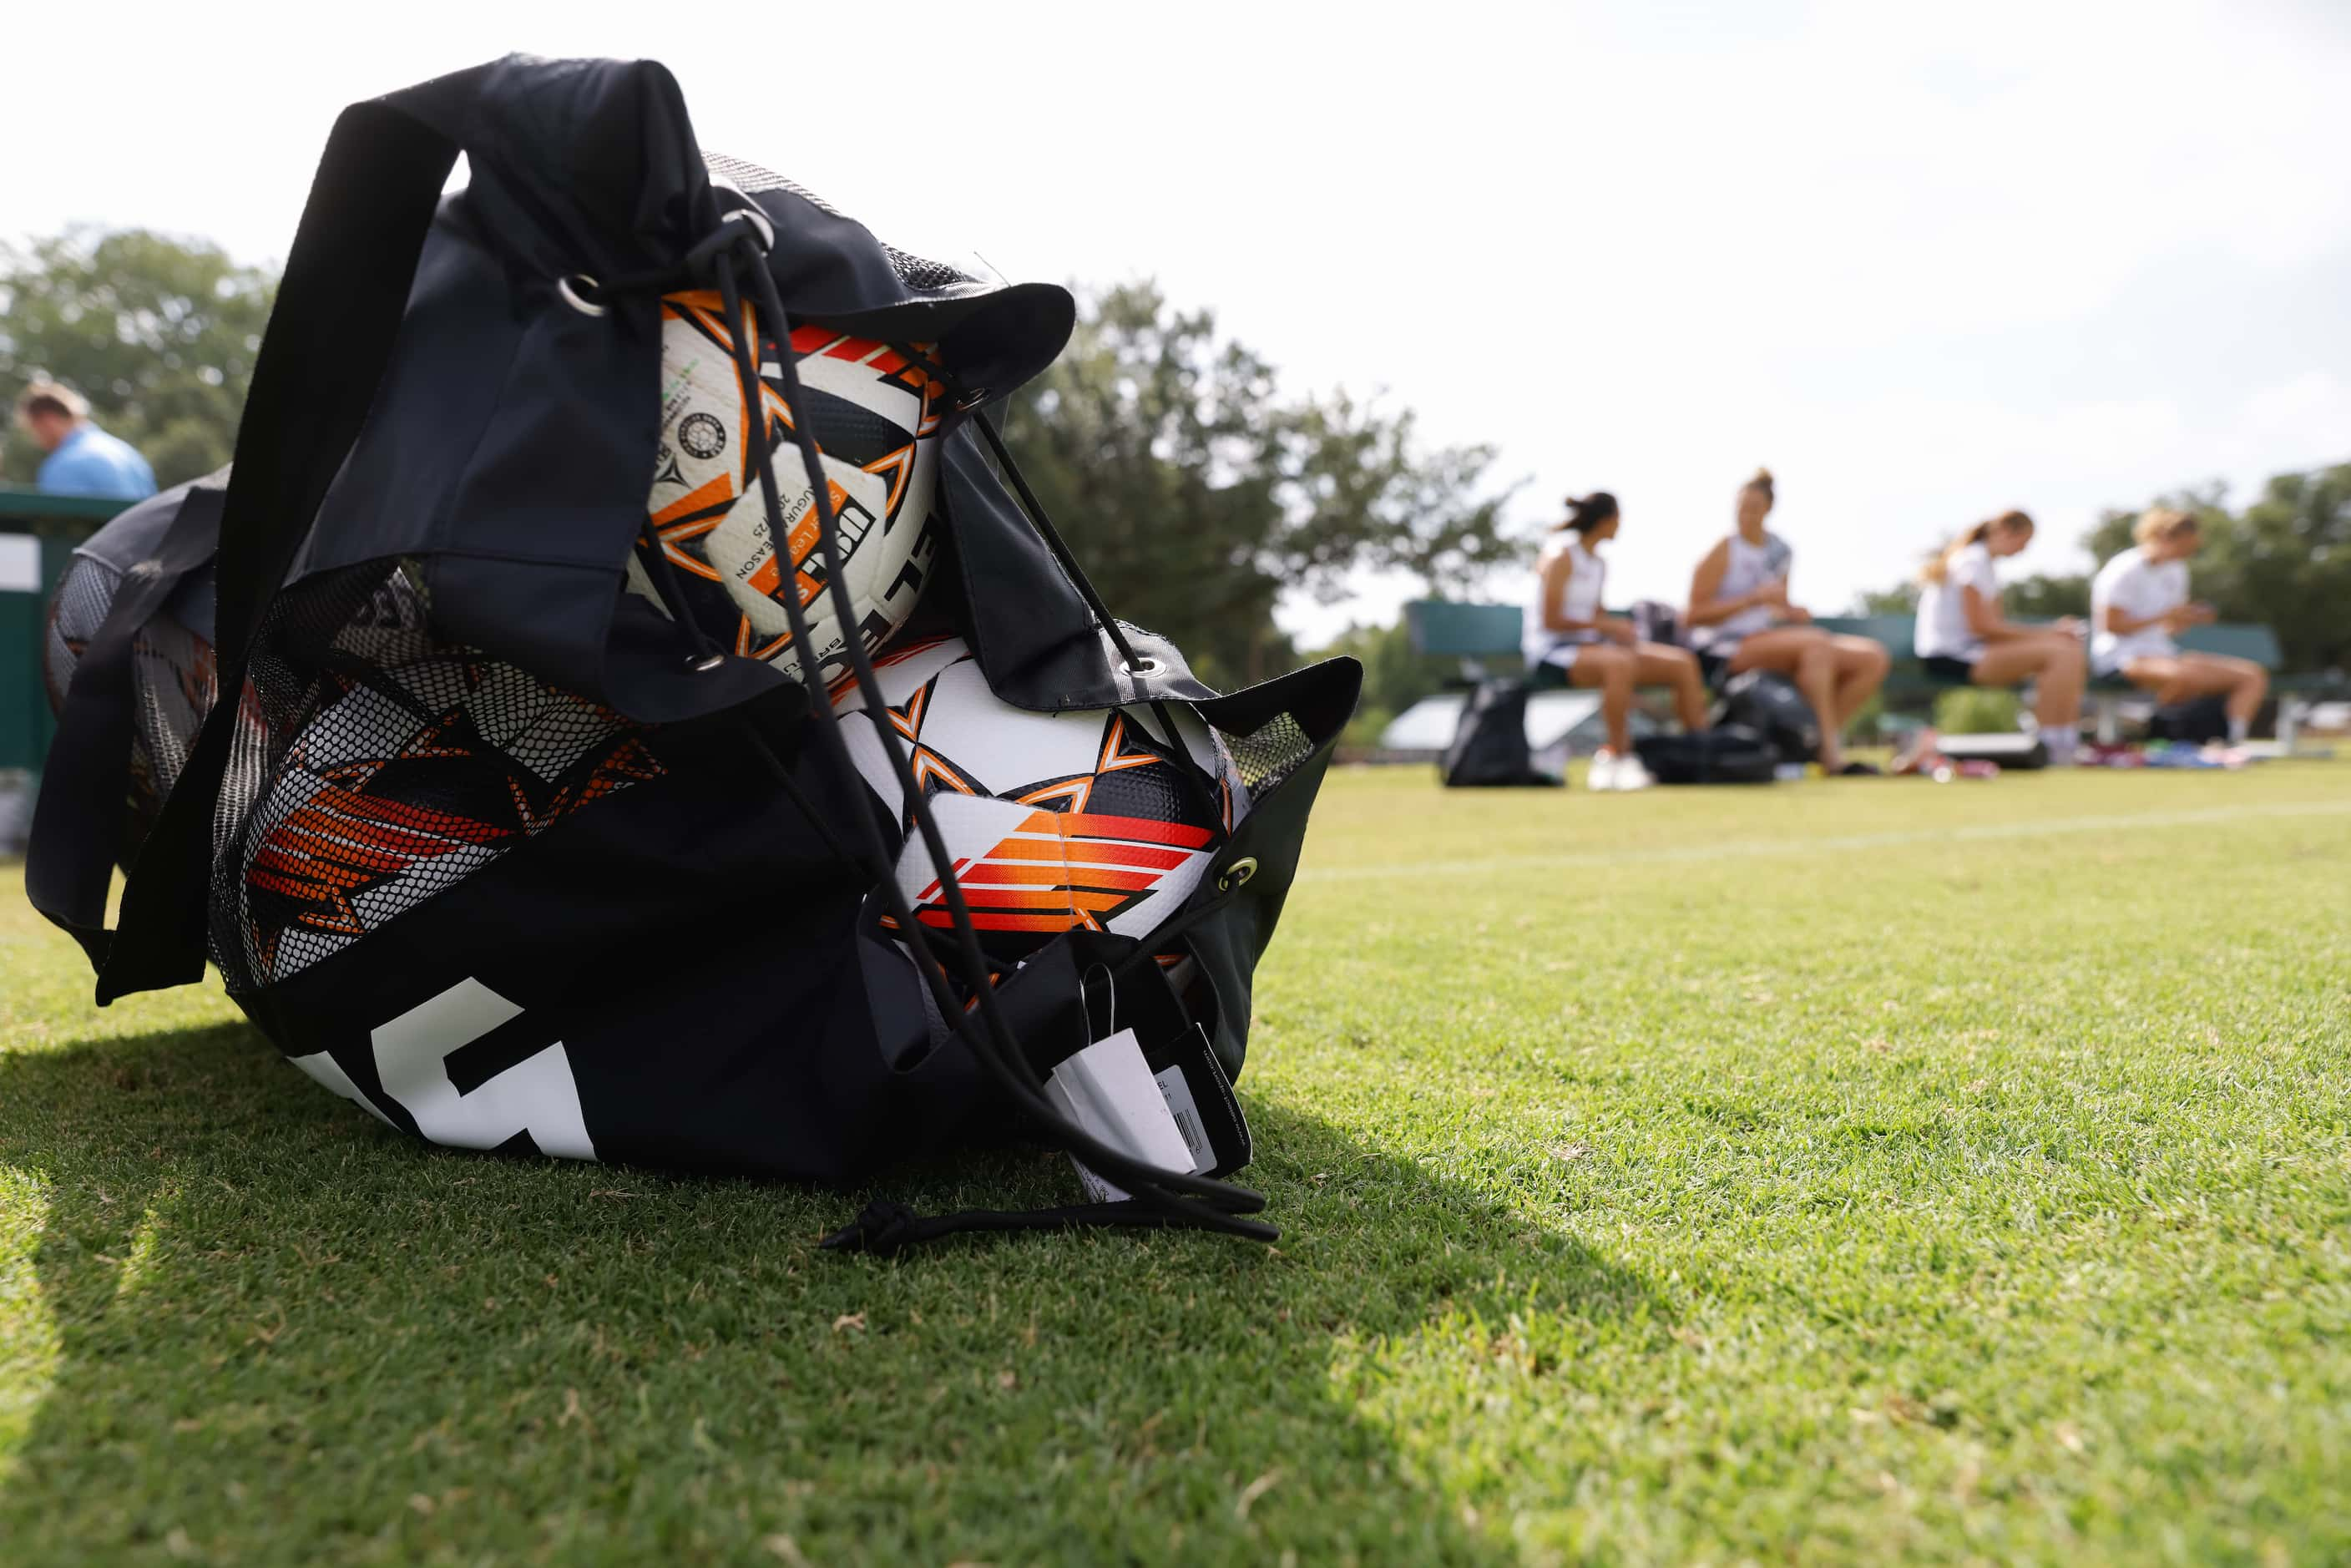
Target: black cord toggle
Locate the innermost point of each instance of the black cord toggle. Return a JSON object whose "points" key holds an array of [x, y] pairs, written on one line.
{"points": [[881, 1227]]}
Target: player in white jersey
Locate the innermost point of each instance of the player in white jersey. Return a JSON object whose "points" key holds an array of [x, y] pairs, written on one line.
{"points": [[1568, 640], [2140, 600], [1740, 618], [1962, 635]]}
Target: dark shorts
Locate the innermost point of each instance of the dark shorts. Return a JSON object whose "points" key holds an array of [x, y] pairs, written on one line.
{"points": [[1711, 666], [1943, 667]]}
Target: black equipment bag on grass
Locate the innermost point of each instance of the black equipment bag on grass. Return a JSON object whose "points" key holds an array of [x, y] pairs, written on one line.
{"points": [[1727, 754], [1770, 706], [1489, 743], [500, 841], [2196, 721]]}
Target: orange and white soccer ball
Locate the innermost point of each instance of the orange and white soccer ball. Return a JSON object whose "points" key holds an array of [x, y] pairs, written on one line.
{"points": [[875, 411], [1054, 821]]}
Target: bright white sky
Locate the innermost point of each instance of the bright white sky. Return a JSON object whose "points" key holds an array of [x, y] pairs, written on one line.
{"points": [[1926, 262]]}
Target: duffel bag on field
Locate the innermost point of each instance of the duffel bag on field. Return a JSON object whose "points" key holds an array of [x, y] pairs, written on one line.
{"points": [[1770, 706], [1489, 741], [2196, 721], [1727, 754], [657, 732]]}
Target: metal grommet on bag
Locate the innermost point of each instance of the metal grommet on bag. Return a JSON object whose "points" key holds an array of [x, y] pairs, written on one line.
{"points": [[578, 302], [965, 401], [750, 211], [703, 664], [758, 222], [1236, 874], [1141, 669]]}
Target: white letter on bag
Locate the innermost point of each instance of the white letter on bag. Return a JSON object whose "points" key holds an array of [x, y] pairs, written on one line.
{"points": [[537, 1095]]}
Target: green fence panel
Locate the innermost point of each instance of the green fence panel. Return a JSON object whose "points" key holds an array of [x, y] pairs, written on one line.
{"points": [[24, 724], [56, 523]]}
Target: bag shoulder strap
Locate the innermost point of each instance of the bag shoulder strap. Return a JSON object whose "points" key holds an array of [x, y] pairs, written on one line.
{"points": [[77, 821], [329, 338]]}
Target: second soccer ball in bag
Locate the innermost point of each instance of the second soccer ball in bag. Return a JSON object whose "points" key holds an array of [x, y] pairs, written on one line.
{"points": [[874, 408], [1054, 821]]}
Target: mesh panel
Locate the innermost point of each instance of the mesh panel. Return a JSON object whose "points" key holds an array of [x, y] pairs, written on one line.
{"points": [[1269, 754], [83, 598], [173, 684], [917, 272], [376, 766]]}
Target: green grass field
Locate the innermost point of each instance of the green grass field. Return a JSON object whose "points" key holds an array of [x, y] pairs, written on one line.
{"points": [[1835, 1172]]}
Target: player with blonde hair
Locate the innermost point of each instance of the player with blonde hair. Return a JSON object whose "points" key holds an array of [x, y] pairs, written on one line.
{"points": [[1741, 618], [1962, 635], [2139, 603]]}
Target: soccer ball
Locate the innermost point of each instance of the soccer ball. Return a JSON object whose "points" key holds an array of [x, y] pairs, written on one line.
{"points": [[873, 406], [1054, 821]]}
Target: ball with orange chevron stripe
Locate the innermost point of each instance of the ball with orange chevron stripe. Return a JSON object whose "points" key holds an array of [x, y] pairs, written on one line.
{"points": [[874, 409], [1091, 818]]}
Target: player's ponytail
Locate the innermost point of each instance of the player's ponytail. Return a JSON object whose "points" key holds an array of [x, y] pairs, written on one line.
{"points": [[1586, 513], [2163, 524], [1937, 568]]}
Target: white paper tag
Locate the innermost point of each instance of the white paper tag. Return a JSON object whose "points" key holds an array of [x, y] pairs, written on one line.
{"points": [[1108, 1091], [1180, 1105]]}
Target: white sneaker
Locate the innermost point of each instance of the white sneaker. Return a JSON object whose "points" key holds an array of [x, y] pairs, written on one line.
{"points": [[1602, 775], [1631, 775]]}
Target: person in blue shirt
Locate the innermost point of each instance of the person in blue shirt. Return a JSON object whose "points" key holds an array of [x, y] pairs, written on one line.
{"points": [[82, 460]]}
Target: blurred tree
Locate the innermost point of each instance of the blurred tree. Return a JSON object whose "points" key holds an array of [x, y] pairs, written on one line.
{"points": [[2034, 598], [1197, 493], [2044, 598], [1901, 600], [2292, 560], [1977, 710], [1396, 676], [158, 333]]}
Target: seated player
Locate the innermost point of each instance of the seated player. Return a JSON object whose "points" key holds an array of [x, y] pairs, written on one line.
{"points": [[2140, 600], [1962, 636], [1568, 642], [1740, 618]]}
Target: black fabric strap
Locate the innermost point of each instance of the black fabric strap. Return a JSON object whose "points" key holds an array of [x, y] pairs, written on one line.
{"points": [[1133, 666], [331, 334], [77, 822]]}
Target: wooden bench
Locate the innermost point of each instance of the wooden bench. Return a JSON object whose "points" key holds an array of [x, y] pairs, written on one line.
{"points": [[1469, 633]]}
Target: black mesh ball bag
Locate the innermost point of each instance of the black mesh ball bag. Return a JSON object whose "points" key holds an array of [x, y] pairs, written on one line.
{"points": [[665, 729]]}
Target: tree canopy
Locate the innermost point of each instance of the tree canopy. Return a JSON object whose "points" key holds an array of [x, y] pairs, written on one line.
{"points": [[1196, 492], [158, 333]]}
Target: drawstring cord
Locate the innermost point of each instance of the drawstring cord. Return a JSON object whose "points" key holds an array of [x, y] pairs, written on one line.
{"points": [[1136, 669], [1173, 1197], [995, 1041], [662, 573]]}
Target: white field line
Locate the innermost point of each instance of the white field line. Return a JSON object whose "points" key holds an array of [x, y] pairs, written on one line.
{"points": [[1749, 849]]}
